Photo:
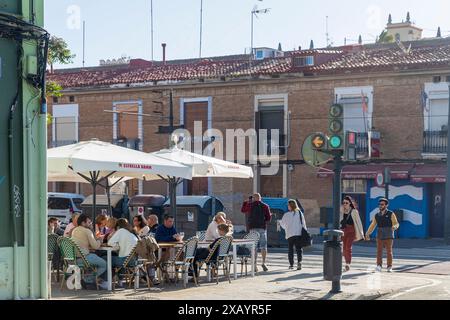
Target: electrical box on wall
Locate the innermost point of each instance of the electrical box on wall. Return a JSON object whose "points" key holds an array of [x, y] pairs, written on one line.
{"points": [[32, 68]]}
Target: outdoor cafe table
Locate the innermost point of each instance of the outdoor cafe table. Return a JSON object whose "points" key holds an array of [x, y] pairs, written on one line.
{"points": [[109, 251]]}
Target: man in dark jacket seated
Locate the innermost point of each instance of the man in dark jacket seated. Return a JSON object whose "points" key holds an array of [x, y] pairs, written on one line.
{"points": [[203, 253], [166, 233]]}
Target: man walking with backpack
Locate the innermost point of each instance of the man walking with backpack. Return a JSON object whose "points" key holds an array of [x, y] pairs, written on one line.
{"points": [[258, 216]]}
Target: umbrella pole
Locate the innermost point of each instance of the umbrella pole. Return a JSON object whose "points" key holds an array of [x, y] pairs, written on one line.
{"points": [[94, 198], [108, 195], [173, 198]]}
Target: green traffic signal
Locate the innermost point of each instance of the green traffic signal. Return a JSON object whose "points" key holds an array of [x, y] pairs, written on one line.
{"points": [[335, 142], [336, 127]]}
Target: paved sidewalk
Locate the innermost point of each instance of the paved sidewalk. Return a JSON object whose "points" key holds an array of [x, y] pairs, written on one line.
{"points": [[277, 284]]}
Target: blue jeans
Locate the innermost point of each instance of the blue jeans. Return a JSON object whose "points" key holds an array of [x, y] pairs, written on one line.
{"points": [[98, 262]]}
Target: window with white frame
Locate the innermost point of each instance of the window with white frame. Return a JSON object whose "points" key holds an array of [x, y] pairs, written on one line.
{"points": [[358, 107], [271, 114], [306, 61], [354, 186], [435, 104], [65, 125]]}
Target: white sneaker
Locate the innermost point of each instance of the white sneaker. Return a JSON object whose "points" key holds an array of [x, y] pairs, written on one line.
{"points": [[389, 269], [378, 269]]}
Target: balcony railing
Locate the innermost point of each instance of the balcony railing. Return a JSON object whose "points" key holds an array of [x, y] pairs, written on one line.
{"points": [[273, 146], [435, 142], [61, 143], [362, 145]]}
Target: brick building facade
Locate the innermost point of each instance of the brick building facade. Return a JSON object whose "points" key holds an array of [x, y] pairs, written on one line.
{"points": [[404, 93]]}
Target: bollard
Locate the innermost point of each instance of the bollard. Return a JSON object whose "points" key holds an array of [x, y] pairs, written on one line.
{"points": [[332, 259]]}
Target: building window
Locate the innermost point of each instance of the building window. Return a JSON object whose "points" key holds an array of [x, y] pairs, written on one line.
{"points": [[397, 37], [271, 115], [354, 186], [72, 99], [65, 125], [436, 118], [55, 99], [358, 108], [304, 61], [127, 123]]}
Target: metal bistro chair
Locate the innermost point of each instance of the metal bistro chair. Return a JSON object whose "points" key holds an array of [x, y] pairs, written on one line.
{"points": [[183, 261], [132, 269], [246, 253], [53, 252], [223, 246], [201, 235], [72, 255]]}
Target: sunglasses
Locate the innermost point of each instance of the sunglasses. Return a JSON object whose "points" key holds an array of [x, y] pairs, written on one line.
{"points": [[345, 202]]}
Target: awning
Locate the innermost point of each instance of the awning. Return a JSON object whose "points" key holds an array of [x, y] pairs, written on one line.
{"points": [[368, 171], [429, 173]]}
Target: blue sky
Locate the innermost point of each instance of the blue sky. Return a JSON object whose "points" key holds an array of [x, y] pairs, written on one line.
{"points": [[118, 27]]}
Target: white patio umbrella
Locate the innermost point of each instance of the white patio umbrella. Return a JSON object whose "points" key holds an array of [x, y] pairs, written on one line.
{"points": [[96, 161], [202, 166], [75, 178]]}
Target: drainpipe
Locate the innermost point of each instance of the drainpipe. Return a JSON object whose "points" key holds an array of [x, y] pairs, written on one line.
{"points": [[11, 197]]}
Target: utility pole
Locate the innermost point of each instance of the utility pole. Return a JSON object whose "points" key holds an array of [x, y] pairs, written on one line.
{"points": [[84, 42], [201, 27], [151, 26], [336, 284], [447, 187]]}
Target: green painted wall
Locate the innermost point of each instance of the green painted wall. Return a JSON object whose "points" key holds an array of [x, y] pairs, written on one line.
{"points": [[23, 270]]}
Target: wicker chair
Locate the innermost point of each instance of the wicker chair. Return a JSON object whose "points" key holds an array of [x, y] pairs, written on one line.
{"points": [[53, 252], [183, 261], [223, 246], [201, 235], [131, 269], [72, 255], [244, 257]]}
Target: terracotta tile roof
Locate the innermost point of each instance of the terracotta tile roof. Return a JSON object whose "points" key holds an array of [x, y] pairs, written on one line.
{"points": [[368, 58], [385, 59]]}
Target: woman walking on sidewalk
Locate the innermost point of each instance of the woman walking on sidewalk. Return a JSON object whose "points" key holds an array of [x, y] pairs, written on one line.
{"points": [[293, 222], [352, 227]]}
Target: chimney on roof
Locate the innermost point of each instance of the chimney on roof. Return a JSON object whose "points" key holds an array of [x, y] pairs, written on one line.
{"points": [[279, 47], [311, 45], [164, 52], [408, 17], [299, 48], [390, 19], [439, 35], [360, 40]]}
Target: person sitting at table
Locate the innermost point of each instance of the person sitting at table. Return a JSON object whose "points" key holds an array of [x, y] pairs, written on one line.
{"points": [[72, 225], [212, 233], [84, 237], [152, 223], [124, 240], [140, 227], [100, 224], [203, 253], [167, 232], [54, 226], [111, 227]]}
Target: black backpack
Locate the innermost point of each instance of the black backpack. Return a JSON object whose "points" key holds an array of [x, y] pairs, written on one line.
{"points": [[257, 218]]}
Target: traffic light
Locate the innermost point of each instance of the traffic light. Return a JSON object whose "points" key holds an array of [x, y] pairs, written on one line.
{"points": [[336, 127], [319, 141], [350, 145]]}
